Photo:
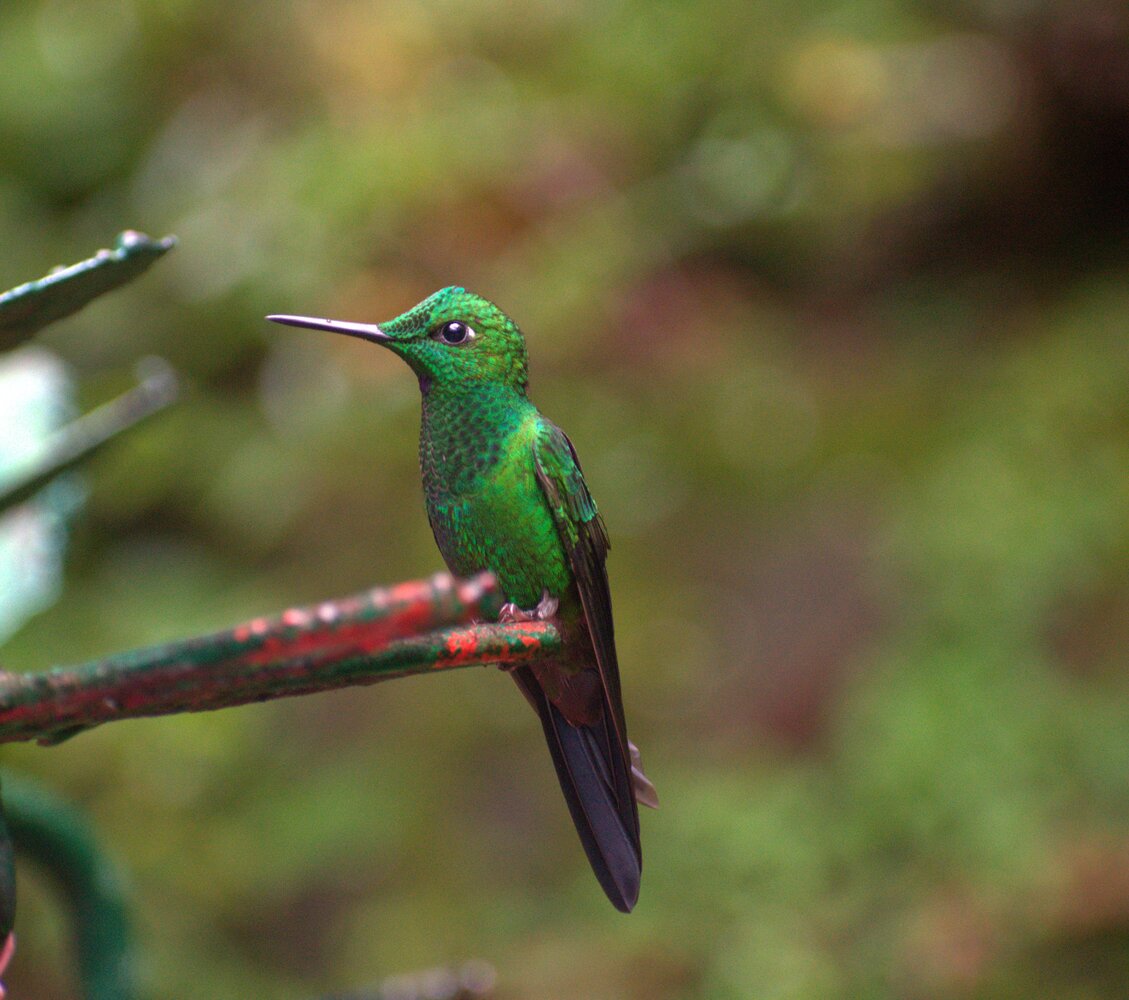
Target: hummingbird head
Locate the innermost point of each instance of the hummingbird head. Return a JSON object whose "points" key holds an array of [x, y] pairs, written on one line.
{"points": [[451, 338]]}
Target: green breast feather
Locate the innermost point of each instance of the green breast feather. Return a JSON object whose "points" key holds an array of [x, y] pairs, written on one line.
{"points": [[488, 510]]}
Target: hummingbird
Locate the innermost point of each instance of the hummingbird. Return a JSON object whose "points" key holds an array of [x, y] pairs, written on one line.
{"points": [[504, 492]]}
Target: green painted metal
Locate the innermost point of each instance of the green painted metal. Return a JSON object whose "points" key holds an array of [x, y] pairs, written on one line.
{"points": [[410, 628]]}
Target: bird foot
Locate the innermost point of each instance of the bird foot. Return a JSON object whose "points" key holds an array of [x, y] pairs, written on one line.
{"points": [[511, 613], [645, 793], [546, 608]]}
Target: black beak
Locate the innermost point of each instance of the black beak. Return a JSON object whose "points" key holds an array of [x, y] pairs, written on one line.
{"points": [[365, 331]]}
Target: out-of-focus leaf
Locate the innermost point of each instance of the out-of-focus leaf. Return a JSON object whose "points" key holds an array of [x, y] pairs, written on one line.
{"points": [[30, 307], [37, 447], [52, 833], [35, 401], [76, 441]]}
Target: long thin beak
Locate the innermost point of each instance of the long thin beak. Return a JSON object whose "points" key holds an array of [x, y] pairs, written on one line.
{"points": [[366, 331]]}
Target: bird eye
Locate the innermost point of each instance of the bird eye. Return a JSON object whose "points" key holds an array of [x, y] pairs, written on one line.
{"points": [[455, 333]]}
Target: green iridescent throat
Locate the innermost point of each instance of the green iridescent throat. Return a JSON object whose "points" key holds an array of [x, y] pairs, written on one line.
{"points": [[464, 433]]}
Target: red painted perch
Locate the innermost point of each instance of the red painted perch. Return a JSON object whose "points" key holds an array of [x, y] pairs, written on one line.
{"points": [[410, 628]]}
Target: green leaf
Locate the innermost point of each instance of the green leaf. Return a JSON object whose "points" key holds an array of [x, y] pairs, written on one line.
{"points": [[30, 307]]}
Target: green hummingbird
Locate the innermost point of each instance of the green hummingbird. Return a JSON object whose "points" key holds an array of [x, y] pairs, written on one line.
{"points": [[504, 492]]}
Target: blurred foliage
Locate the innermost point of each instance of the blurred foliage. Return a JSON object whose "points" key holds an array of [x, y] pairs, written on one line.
{"points": [[56, 838], [831, 299], [37, 505], [39, 444]]}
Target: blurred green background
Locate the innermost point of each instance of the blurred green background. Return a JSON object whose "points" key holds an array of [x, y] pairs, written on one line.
{"points": [[831, 298]]}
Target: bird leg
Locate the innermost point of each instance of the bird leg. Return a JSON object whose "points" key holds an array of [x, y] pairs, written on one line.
{"points": [[510, 613], [546, 608]]}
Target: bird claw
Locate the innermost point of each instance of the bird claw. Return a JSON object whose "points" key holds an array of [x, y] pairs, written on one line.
{"points": [[645, 793], [546, 608], [511, 613]]}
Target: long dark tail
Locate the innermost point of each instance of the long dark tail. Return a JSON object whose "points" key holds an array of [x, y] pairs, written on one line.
{"points": [[595, 777]]}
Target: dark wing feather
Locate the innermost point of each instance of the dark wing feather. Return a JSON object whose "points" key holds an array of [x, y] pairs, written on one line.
{"points": [[585, 540], [586, 543], [580, 757]]}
